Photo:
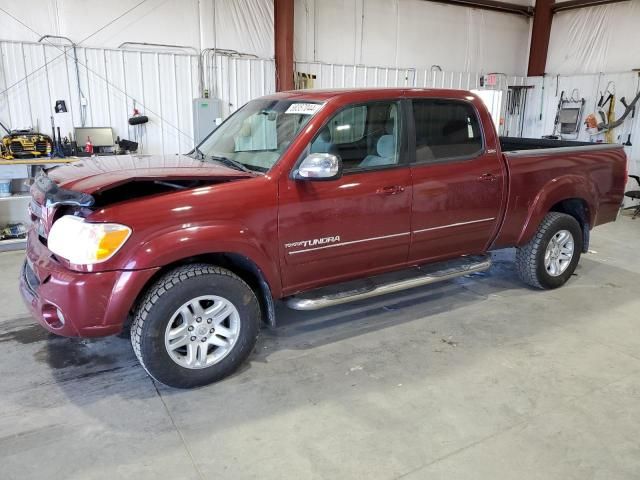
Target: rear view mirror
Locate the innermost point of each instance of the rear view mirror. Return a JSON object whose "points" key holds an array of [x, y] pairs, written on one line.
{"points": [[320, 166]]}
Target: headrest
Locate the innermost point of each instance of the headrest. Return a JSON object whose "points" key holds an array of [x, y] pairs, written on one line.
{"points": [[386, 146]]}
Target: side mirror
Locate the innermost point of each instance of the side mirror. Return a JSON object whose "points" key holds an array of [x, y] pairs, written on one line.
{"points": [[319, 166]]}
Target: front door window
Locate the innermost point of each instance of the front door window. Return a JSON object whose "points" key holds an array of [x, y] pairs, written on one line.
{"points": [[364, 136]]}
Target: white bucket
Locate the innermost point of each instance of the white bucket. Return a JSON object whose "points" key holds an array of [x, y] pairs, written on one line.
{"points": [[5, 187]]}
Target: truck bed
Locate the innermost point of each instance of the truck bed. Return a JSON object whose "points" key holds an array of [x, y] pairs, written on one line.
{"points": [[543, 172], [512, 144]]}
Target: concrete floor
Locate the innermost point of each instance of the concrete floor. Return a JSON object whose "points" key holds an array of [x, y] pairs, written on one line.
{"points": [[479, 378]]}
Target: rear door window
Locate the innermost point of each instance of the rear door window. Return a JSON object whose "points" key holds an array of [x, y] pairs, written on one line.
{"points": [[445, 130]]}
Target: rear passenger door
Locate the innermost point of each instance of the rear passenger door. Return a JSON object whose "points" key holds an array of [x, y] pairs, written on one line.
{"points": [[458, 182]]}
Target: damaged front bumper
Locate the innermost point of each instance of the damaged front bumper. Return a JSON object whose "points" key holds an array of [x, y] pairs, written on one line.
{"points": [[76, 304]]}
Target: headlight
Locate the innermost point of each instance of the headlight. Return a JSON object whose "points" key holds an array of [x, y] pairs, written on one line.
{"points": [[86, 243]]}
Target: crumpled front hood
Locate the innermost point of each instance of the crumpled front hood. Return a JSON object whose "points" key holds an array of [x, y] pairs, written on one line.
{"points": [[95, 174]]}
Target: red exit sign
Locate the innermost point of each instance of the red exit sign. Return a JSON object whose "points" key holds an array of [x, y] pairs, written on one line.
{"points": [[490, 80]]}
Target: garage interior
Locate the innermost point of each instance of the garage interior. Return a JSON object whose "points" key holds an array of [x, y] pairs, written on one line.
{"points": [[479, 377]]}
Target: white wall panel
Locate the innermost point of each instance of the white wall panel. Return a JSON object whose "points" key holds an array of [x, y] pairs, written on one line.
{"points": [[595, 39], [159, 21], [160, 85], [331, 75], [238, 79], [543, 104], [336, 75], [160, 82], [241, 25], [410, 32]]}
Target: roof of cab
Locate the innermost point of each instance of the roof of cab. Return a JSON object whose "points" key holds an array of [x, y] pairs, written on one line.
{"points": [[349, 94]]}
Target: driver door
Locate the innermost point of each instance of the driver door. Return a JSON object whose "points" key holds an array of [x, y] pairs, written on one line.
{"points": [[355, 225]]}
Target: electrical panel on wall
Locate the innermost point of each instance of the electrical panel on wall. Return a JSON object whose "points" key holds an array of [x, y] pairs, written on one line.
{"points": [[207, 115]]}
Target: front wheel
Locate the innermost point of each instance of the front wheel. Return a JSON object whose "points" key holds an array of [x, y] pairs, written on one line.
{"points": [[551, 256], [196, 325]]}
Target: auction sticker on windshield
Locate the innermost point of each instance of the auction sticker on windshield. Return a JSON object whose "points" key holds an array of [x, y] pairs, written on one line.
{"points": [[303, 108]]}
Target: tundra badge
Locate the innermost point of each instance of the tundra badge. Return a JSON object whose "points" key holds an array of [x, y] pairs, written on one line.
{"points": [[313, 242]]}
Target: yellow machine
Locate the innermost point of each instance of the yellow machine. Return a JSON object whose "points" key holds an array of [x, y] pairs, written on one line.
{"points": [[21, 144]]}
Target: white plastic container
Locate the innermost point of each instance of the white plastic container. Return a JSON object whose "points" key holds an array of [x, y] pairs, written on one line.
{"points": [[5, 187]]}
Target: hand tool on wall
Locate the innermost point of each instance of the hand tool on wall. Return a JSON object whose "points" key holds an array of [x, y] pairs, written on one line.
{"points": [[610, 124], [633, 115], [516, 107]]}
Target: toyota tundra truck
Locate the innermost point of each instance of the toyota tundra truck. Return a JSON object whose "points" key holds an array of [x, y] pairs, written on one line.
{"points": [[313, 198]]}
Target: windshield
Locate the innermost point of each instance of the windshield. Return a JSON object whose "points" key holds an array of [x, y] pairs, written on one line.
{"points": [[256, 136]]}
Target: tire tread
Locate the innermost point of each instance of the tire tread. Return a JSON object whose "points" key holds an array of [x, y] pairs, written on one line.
{"points": [[163, 286], [527, 255]]}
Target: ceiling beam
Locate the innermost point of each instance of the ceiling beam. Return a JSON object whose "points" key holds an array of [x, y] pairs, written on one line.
{"points": [[496, 6], [573, 4]]}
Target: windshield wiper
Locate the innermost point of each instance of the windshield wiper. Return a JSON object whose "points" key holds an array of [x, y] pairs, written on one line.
{"points": [[231, 163]]}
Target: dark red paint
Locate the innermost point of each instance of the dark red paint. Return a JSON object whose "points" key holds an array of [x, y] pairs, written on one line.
{"points": [[256, 216]]}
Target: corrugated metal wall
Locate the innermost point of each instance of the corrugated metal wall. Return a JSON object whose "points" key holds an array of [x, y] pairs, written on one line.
{"points": [[108, 83], [236, 79], [160, 85], [335, 75], [101, 92], [541, 113], [332, 75]]}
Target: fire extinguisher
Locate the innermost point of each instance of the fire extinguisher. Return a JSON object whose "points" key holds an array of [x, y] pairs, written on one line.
{"points": [[88, 147]]}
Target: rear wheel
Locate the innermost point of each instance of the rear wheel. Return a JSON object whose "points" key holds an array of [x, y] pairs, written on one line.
{"points": [[196, 325], [551, 256]]}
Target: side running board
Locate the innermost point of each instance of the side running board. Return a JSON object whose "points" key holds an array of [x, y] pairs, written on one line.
{"points": [[388, 283]]}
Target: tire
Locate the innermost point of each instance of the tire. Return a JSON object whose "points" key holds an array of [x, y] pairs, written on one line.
{"points": [[530, 258], [178, 303]]}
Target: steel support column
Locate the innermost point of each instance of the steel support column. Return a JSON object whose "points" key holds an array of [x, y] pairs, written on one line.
{"points": [[540, 34], [283, 26]]}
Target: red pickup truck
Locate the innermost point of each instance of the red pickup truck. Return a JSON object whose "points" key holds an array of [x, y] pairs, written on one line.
{"points": [[313, 197]]}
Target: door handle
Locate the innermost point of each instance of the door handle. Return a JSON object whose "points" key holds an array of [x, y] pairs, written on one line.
{"points": [[390, 190], [487, 177]]}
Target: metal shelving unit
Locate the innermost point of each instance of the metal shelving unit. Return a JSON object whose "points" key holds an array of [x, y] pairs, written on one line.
{"points": [[14, 209]]}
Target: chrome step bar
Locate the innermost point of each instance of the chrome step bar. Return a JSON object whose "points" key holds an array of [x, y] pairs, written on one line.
{"points": [[388, 283]]}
